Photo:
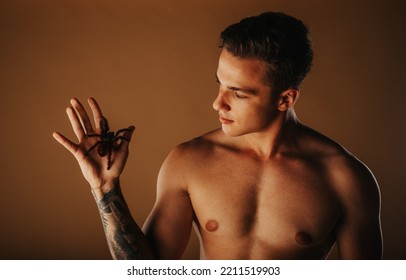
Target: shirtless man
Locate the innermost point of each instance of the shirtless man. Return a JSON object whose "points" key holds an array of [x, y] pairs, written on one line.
{"points": [[264, 186]]}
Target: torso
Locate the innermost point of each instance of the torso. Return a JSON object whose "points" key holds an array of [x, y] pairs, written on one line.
{"points": [[284, 207]]}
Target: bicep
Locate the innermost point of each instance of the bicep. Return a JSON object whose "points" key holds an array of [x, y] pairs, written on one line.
{"points": [[359, 239], [359, 231], [169, 224]]}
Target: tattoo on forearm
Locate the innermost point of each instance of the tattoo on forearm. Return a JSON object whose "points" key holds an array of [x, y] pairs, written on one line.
{"points": [[127, 240]]}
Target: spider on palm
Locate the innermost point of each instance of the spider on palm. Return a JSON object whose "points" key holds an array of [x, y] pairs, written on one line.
{"points": [[108, 140]]}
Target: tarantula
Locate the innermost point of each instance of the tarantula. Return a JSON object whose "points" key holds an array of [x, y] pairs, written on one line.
{"points": [[108, 140]]}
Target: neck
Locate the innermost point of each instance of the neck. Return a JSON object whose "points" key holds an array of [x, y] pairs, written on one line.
{"points": [[273, 140]]}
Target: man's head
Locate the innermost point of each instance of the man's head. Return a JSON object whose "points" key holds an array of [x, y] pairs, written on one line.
{"points": [[279, 40]]}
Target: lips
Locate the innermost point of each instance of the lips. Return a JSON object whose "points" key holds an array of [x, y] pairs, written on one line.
{"points": [[224, 120]]}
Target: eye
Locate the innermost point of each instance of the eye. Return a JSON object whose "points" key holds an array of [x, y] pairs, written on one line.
{"points": [[237, 95]]}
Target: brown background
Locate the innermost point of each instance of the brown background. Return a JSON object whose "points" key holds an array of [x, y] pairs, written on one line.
{"points": [[152, 64]]}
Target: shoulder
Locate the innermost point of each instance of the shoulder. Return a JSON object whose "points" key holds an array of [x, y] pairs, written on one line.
{"points": [[350, 178], [197, 148], [354, 182], [186, 157], [358, 230]]}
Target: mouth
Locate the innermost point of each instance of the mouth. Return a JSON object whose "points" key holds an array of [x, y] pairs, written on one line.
{"points": [[224, 120]]}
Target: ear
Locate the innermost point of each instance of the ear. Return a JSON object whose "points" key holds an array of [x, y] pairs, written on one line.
{"points": [[288, 98]]}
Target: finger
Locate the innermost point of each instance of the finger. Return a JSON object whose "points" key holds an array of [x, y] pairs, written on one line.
{"points": [[97, 113], [69, 145], [83, 117], [75, 122], [127, 135]]}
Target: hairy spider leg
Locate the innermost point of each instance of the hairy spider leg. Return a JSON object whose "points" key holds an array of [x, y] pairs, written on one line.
{"points": [[94, 146], [121, 138], [109, 156], [113, 144], [104, 124], [94, 135], [110, 143], [116, 138], [122, 130]]}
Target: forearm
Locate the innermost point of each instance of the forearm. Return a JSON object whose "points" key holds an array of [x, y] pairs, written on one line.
{"points": [[124, 237]]}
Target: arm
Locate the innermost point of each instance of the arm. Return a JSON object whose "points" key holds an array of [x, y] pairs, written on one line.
{"points": [[359, 233], [165, 233], [169, 225], [124, 237]]}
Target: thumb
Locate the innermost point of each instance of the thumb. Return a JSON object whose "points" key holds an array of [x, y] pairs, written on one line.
{"points": [[127, 135], [69, 145]]}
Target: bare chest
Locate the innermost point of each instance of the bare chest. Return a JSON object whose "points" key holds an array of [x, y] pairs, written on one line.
{"points": [[287, 206]]}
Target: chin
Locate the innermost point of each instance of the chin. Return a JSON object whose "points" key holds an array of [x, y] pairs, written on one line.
{"points": [[233, 132]]}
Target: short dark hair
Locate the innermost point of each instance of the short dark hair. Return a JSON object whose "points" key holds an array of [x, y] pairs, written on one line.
{"points": [[282, 41]]}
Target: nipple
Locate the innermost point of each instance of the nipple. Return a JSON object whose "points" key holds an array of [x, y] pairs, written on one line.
{"points": [[303, 238], [212, 225]]}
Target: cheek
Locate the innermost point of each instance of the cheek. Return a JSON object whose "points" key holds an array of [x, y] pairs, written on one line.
{"points": [[258, 111], [249, 116], [260, 116]]}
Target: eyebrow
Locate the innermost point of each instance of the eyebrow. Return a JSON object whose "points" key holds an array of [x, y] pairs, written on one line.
{"points": [[250, 91]]}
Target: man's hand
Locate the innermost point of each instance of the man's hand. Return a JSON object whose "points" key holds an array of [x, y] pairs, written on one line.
{"points": [[124, 237], [93, 166]]}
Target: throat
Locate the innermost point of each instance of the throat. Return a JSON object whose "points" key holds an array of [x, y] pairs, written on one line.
{"points": [[274, 142]]}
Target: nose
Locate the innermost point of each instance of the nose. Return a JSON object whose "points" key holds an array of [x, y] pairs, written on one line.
{"points": [[220, 103]]}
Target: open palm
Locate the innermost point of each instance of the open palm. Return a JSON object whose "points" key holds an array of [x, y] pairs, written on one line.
{"points": [[101, 154]]}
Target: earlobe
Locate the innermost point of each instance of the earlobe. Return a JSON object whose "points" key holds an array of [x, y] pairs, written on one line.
{"points": [[287, 99]]}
